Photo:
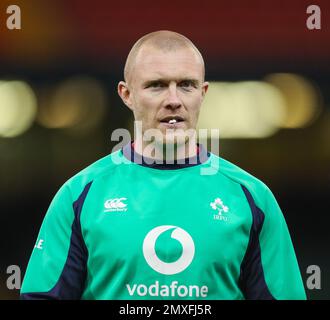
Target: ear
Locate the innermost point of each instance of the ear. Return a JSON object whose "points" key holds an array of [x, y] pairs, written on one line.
{"points": [[205, 87], [125, 94]]}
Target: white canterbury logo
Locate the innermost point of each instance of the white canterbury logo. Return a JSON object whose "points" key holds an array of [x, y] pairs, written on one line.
{"points": [[115, 204]]}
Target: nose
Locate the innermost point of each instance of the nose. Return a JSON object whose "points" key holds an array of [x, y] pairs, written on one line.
{"points": [[173, 101]]}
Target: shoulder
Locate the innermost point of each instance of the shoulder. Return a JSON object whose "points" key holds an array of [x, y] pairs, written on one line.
{"points": [[259, 191], [104, 166]]}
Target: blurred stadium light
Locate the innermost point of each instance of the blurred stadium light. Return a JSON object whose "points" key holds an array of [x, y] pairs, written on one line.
{"points": [[302, 99], [78, 104], [258, 109], [18, 107], [249, 109]]}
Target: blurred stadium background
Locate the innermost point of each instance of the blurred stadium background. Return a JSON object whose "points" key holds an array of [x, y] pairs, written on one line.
{"points": [[269, 96]]}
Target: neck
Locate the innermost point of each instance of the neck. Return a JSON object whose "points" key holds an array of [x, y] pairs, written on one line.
{"points": [[166, 151]]}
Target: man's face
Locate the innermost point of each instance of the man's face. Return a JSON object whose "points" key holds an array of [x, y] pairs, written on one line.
{"points": [[166, 89]]}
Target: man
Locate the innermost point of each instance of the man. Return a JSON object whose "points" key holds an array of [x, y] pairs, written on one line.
{"points": [[133, 226]]}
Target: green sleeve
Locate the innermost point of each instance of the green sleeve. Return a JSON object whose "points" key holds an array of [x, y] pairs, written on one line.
{"points": [[57, 266], [281, 270]]}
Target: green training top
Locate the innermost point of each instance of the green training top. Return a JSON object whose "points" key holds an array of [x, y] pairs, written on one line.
{"points": [[124, 228]]}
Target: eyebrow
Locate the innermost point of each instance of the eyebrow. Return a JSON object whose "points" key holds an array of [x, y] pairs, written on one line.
{"points": [[149, 82]]}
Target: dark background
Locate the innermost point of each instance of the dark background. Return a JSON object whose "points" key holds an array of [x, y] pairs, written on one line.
{"points": [[89, 40]]}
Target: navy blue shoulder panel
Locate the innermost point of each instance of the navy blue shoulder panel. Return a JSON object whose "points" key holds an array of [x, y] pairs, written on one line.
{"points": [[252, 280], [71, 283]]}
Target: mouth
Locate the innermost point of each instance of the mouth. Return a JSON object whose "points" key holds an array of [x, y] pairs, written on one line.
{"points": [[172, 120]]}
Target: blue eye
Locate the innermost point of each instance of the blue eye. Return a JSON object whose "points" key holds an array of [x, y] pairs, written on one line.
{"points": [[156, 85], [187, 85]]}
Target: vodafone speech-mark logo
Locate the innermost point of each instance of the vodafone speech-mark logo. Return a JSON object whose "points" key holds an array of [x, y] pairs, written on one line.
{"points": [[188, 250]]}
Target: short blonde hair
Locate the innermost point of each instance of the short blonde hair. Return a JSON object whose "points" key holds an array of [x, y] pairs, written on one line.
{"points": [[163, 40]]}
